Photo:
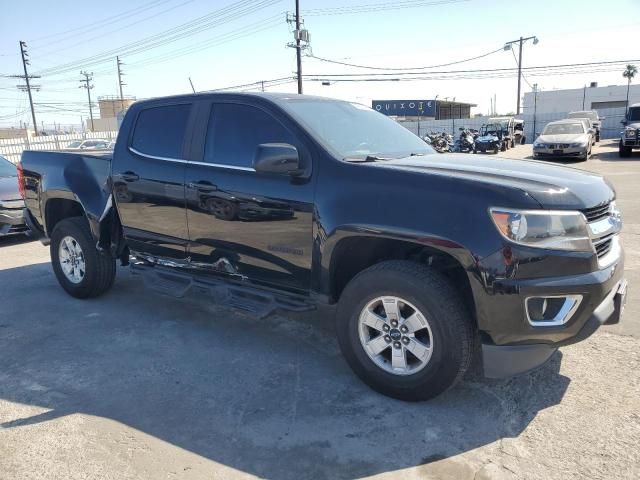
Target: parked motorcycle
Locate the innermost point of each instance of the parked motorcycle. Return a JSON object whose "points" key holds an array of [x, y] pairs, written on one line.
{"points": [[465, 142]]}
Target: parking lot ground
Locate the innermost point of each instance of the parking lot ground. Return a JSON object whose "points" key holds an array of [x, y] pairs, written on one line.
{"points": [[135, 385]]}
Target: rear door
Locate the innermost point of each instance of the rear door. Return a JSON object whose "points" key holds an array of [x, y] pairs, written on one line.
{"points": [[242, 222], [148, 180]]}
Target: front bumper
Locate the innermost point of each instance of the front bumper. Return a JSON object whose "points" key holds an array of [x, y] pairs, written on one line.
{"points": [[560, 152], [512, 341], [12, 222], [501, 361]]}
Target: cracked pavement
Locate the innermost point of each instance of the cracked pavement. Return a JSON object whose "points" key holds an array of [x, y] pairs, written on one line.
{"points": [[134, 385]]}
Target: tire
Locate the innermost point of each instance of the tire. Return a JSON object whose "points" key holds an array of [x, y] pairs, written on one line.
{"points": [[503, 147], [623, 151], [222, 209], [99, 270], [450, 330]]}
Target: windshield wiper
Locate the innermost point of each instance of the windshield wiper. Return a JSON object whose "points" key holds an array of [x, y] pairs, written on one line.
{"points": [[368, 158]]}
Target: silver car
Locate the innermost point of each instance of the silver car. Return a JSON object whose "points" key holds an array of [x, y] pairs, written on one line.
{"points": [[564, 138]]}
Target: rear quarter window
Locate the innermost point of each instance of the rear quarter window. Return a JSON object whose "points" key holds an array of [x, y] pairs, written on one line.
{"points": [[160, 131]]}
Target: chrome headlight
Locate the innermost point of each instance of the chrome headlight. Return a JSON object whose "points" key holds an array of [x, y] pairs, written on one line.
{"points": [[630, 132], [553, 229], [538, 145], [580, 144]]}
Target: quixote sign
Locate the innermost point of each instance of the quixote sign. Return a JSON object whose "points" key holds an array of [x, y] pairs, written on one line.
{"points": [[409, 108]]}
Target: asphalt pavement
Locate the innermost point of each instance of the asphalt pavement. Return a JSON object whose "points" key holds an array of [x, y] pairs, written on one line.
{"points": [[134, 385]]}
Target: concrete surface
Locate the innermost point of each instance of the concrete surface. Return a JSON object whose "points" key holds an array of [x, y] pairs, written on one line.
{"points": [[138, 386]]}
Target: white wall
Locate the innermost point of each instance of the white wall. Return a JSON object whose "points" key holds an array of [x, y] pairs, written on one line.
{"points": [[11, 148], [560, 101]]}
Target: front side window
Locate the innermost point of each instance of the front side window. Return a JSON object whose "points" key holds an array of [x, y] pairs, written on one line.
{"points": [[235, 131], [634, 114], [160, 131]]}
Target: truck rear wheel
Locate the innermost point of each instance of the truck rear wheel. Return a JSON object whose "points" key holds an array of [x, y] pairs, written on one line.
{"points": [[80, 269], [404, 330]]}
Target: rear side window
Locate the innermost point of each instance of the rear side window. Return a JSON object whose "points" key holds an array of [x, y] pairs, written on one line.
{"points": [[160, 131], [235, 131]]}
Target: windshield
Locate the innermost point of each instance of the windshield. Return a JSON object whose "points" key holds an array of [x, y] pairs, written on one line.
{"points": [[7, 169], [634, 114], [564, 129], [491, 129], [351, 130], [589, 115], [74, 145]]}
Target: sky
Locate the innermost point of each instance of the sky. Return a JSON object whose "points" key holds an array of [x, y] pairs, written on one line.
{"points": [[245, 41]]}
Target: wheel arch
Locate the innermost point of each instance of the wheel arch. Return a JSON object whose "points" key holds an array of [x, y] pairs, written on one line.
{"points": [[353, 253]]}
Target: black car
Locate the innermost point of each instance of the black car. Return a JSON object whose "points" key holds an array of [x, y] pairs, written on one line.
{"points": [[11, 203], [422, 257]]}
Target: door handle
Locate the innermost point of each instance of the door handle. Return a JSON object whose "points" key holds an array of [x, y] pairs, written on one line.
{"points": [[130, 177], [203, 186]]}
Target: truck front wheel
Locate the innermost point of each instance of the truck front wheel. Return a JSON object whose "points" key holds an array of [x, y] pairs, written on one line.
{"points": [[404, 330], [80, 269], [624, 151]]}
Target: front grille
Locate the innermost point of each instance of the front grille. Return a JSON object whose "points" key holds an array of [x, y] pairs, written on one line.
{"points": [[603, 245], [596, 213]]}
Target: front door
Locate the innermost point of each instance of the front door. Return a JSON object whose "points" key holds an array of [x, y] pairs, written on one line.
{"points": [[243, 223], [148, 181]]}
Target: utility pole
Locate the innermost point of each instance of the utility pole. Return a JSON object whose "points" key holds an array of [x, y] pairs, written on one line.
{"points": [[584, 94], [300, 35], [86, 81], [262, 84], [298, 51], [508, 46], [25, 62], [535, 108], [120, 84]]}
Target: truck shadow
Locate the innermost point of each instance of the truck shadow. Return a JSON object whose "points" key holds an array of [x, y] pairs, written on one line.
{"points": [[272, 397]]}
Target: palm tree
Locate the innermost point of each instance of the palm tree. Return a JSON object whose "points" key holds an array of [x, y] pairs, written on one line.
{"points": [[629, 73]]}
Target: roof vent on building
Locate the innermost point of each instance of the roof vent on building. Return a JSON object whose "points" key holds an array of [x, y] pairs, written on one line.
{"points": [[593, 85]]}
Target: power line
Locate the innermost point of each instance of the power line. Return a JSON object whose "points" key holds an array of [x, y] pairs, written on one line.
{"points": [[510, 69], [86, 84], [74, 38], [241, 32], [369, 67], [377, 7], [102, 21], [214, 19]]}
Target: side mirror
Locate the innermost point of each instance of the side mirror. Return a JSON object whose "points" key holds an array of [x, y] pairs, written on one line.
{"points": [[623, 122], [278, 158]]}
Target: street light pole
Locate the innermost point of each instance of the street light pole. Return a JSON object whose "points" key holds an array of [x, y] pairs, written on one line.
{"points": [[508, 46]]}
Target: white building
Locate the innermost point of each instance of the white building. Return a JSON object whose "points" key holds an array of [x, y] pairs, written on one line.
{"points": [[587, 98]]}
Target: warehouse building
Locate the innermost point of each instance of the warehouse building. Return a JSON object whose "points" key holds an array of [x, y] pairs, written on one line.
{"points": [[590, 97], [407, 110]]}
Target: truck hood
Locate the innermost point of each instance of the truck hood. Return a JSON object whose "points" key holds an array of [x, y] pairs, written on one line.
{"points": [[9, 188], [552, 186], [633, 125]]}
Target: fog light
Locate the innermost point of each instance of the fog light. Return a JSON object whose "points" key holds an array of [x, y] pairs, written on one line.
{"points": [[551, 311]]}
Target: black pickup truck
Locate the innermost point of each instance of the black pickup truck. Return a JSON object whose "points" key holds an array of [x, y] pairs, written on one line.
{"points": [[292, 202]]}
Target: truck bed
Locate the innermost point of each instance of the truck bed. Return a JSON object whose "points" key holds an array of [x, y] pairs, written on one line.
{"points": [[80, 176]]}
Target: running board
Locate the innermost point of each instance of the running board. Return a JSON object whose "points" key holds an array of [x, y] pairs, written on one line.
{"points": [[250, 298]]}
